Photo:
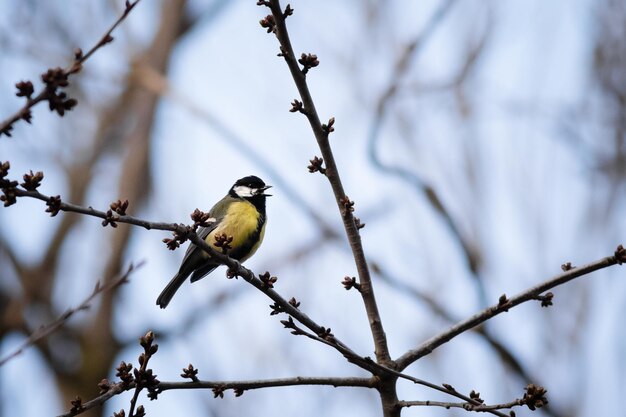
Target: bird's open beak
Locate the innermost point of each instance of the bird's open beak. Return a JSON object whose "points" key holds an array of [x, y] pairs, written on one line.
{"points": [[262, 191]]}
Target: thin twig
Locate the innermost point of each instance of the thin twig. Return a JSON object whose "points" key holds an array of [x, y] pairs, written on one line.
{"points": [[143, 376], [114, 389], [269, 383], [118, 388], [332, 173], [465, 406], [438, 309], [486, 314], [90, 211], [106, 38], [45, 330], [76, 66]]}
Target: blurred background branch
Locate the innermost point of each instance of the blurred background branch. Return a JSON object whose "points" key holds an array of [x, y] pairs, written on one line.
{"points": [[44, 331]]}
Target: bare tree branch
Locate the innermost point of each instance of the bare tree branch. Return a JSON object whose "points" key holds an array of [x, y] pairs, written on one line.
{"points": [[56, 78], [465, 406], [281, 382], [534, 397], [345, 206], [438, 310], [238, 386], [45, 330], [533, 293]]}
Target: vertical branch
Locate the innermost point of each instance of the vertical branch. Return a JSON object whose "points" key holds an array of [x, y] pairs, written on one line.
{"points": [[332, 173]]}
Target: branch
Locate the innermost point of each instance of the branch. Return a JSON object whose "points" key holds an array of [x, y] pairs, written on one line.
{"points": [[46, 330], [382, 370], [505, 304], [438, 309], [55, 204], [237, 386], [56, 78], [465, 406], [114, 389], [144, 377], [534, 397], [321, 132], [269, 383]]}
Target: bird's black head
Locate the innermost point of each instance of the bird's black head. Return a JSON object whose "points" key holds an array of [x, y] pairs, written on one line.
{"points": [[250, 187]]}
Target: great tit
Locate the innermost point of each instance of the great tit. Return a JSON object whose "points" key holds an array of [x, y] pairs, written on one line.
{"points": [[240, 214]]}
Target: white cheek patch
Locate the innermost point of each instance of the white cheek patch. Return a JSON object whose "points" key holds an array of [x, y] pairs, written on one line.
{"points": [[244, 191]]}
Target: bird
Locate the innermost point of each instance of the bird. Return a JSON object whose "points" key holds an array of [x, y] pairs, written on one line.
{"points": [[240, 215]]}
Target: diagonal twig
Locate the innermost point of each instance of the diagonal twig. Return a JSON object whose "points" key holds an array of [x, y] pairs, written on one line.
{"points": [[48, 93], [46, 330], [321, 135], [504, 305]]}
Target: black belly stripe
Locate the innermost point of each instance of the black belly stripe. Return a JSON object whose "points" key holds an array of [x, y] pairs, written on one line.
{"points": [[244, 249]]}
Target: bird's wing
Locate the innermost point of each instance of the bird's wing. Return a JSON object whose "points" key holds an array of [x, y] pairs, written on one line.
{"points": [[203, 271], [194, 256]]}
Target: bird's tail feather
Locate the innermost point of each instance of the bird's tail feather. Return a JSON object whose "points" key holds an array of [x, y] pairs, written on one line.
{"points": [[168, 292]]}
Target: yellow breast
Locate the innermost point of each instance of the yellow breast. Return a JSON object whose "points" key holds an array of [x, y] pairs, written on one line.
{"points": [[242, 223]]}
